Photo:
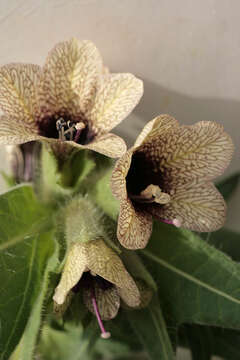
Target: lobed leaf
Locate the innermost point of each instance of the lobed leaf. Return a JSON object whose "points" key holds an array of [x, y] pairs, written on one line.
{"points": [[25, 248], [197, 282], [227, 241], [26, 347]]}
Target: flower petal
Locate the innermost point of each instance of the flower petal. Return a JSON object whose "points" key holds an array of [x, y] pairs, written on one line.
{"points": [[146, 293], [118, 181], [106, 263], [109, 144], [69, 77], [13, 131], [156, 128], [199, 207], [190, 152], [74, 267], [131, 297], [59, 310], [18, 83], [116, 97], [134, 226], [108, 301]]}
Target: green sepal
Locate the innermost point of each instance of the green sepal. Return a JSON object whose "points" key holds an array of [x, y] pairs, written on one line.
{"points": [[100, 192]]}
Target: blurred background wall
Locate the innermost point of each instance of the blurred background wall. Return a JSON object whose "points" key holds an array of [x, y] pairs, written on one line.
{"points": [[187, 52]]}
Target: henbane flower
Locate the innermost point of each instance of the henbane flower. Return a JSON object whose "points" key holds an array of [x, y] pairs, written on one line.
{"points": [[72, 102], [96, 270], [168, 175]]}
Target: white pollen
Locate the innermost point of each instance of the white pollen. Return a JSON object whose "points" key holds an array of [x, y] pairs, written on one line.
{"points": [[79, 126]]}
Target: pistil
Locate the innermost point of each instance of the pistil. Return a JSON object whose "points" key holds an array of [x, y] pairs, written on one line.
{"points": [[105, 334]]}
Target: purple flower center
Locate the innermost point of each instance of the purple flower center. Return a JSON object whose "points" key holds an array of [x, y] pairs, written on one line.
{"points": [[64, 128], [141, 174]]}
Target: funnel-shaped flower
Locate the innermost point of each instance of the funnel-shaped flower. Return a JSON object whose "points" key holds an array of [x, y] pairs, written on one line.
{"points": [[95, 269], [72, 102], [168, 174]]}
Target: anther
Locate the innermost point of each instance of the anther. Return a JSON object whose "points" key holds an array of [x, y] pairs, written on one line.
{"points": [[151, 194], [79, 127]]}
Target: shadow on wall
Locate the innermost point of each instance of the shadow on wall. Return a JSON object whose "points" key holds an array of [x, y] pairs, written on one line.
{"points": [[187, 109]]}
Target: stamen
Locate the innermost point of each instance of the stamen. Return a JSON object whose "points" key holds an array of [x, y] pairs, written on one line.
{"points": [[60, 123], [105, 334], [68, 130], [71, 131], [79, 127], [151, 194]]}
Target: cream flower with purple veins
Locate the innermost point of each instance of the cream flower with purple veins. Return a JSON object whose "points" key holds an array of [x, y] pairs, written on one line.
{"points": [[168, 174], [95, 270], [72, 100]]}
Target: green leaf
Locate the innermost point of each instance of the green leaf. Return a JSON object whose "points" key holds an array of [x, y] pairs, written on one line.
{"points": [[131, 356], [197, 283], [74, 343], [225, 343], [150, 328], [8, 179], [121, 330], [227, 241], [136, 268], [229, 185], [110, 349], [24, 253], [77, 169], [206, 341], [199, 340], [25, 349]]}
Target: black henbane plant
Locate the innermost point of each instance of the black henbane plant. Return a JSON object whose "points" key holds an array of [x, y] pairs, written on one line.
{"points": [[65, 277]]}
